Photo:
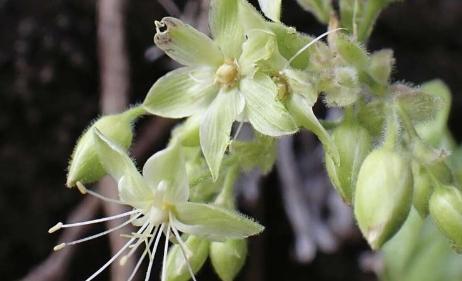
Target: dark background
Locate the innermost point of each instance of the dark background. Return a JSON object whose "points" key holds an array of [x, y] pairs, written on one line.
{"points": [[49, 92]]}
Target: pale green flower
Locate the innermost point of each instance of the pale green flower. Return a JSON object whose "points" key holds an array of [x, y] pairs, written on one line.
{"points": [[220, 80], [159, 198]]}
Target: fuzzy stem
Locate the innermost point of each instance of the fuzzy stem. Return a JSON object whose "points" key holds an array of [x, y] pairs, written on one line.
{"points": [[226, 196]]}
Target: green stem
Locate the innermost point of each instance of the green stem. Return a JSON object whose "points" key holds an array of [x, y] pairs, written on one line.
{"points": [[391, 131], [371, 13], [226, 196], [134, 112]]}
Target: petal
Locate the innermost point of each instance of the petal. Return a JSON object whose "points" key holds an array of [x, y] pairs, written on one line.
{"points": [[271, 9], [225, 26], [213, 222], [168, 166], [185, 44], [117, 163], [266, 114], [181, 92], [303, 114], [216, 127]]}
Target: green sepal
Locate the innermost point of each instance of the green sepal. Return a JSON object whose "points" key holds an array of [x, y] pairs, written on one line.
{"points": [[213, 222], [381, 66], [228, 257], [351, 52], [84, 165], [197, 252]]}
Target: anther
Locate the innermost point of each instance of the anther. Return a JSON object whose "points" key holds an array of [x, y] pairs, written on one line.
{"points": [[123, 260], [56, 227], [59, 247], [81, 187]]}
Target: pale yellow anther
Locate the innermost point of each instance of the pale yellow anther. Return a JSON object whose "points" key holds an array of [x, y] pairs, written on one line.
{"points": [[81, 187], [59, 247], [227, 73], [56, 227], [123, 260]]}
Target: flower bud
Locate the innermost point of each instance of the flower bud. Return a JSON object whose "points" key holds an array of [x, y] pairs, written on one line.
{"points": [[352, 52], [84, 165], [228, 257], [344, 88], [196, 252], [383, 195], [423, 188], [446, 211], [353, 143], [381, 65]]}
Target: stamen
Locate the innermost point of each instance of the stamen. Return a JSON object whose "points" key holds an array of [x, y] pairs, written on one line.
{"points": [[154, 250], [311, 43], [81, 187], [104, 198], [59, 247], [60, 225], [104, 232], [55, 228], [116, 255], [140, 260], [238, 130], [141, 238], [185, 251], [164, 261]]}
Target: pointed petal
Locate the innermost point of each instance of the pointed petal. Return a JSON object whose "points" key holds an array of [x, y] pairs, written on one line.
{"points": [[185, 44], [303, 114], [266, 114], [225, 26], [117, 163], [213, 222], [168, 166], [271, 9], [216, 127], [181, 92]]}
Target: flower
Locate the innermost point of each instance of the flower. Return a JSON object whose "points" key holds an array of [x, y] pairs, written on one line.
{"points": [[159, 198], [222, 79]]}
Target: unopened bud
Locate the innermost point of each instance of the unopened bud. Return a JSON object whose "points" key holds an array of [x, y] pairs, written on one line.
{"points": [[228, 257], [352, 52], [84, 165], [423, 188], [446, 211], [383, 195], [196, 255], [381, 65], [344, 88], [353, 143]]}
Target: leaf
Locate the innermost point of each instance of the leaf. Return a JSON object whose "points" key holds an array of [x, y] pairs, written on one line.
{"points": [[271, 9], [181, 92], [213, 222], [185, 44], [168, 166], [114, 159], [266, 114], [216, 127], [225, 26], [322, 9]]}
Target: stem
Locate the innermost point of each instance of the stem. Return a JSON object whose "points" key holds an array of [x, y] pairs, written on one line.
{"points": [[392, 127], [371, 14], [226, 196]]}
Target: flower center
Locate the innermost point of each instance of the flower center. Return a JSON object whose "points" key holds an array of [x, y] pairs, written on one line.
{"points": [[227, 73]]}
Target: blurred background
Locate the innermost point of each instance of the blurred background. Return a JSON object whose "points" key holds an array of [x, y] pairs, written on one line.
{"points": [[55, 76]]}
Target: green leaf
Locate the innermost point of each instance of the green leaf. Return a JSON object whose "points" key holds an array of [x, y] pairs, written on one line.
{"points": [[182, 92], [266, 114], [213, 222], [216, 127], [185, 44], [177, 267], [271, 9], [303, 114], [115, 160], [225, 26], [322, 9], [168, 166]]}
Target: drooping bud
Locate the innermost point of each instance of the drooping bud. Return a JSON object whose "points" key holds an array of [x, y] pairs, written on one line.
{"points": [[383, 195], [353, 143], [196, 253], [423, 188], [446, 211], [84, 165], [228, 257]]}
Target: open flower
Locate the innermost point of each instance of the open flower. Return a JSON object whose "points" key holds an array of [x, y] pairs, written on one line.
{"points": [[220, 80], [159, 198]]}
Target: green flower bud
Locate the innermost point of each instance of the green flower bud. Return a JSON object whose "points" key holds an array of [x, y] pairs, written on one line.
{"points": [[383, 195], [423, 188], [228, 257], [352, 52], [84, 165], [344, 88], [446, 211], [196, 252], [381, 66], [353, 143]]}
